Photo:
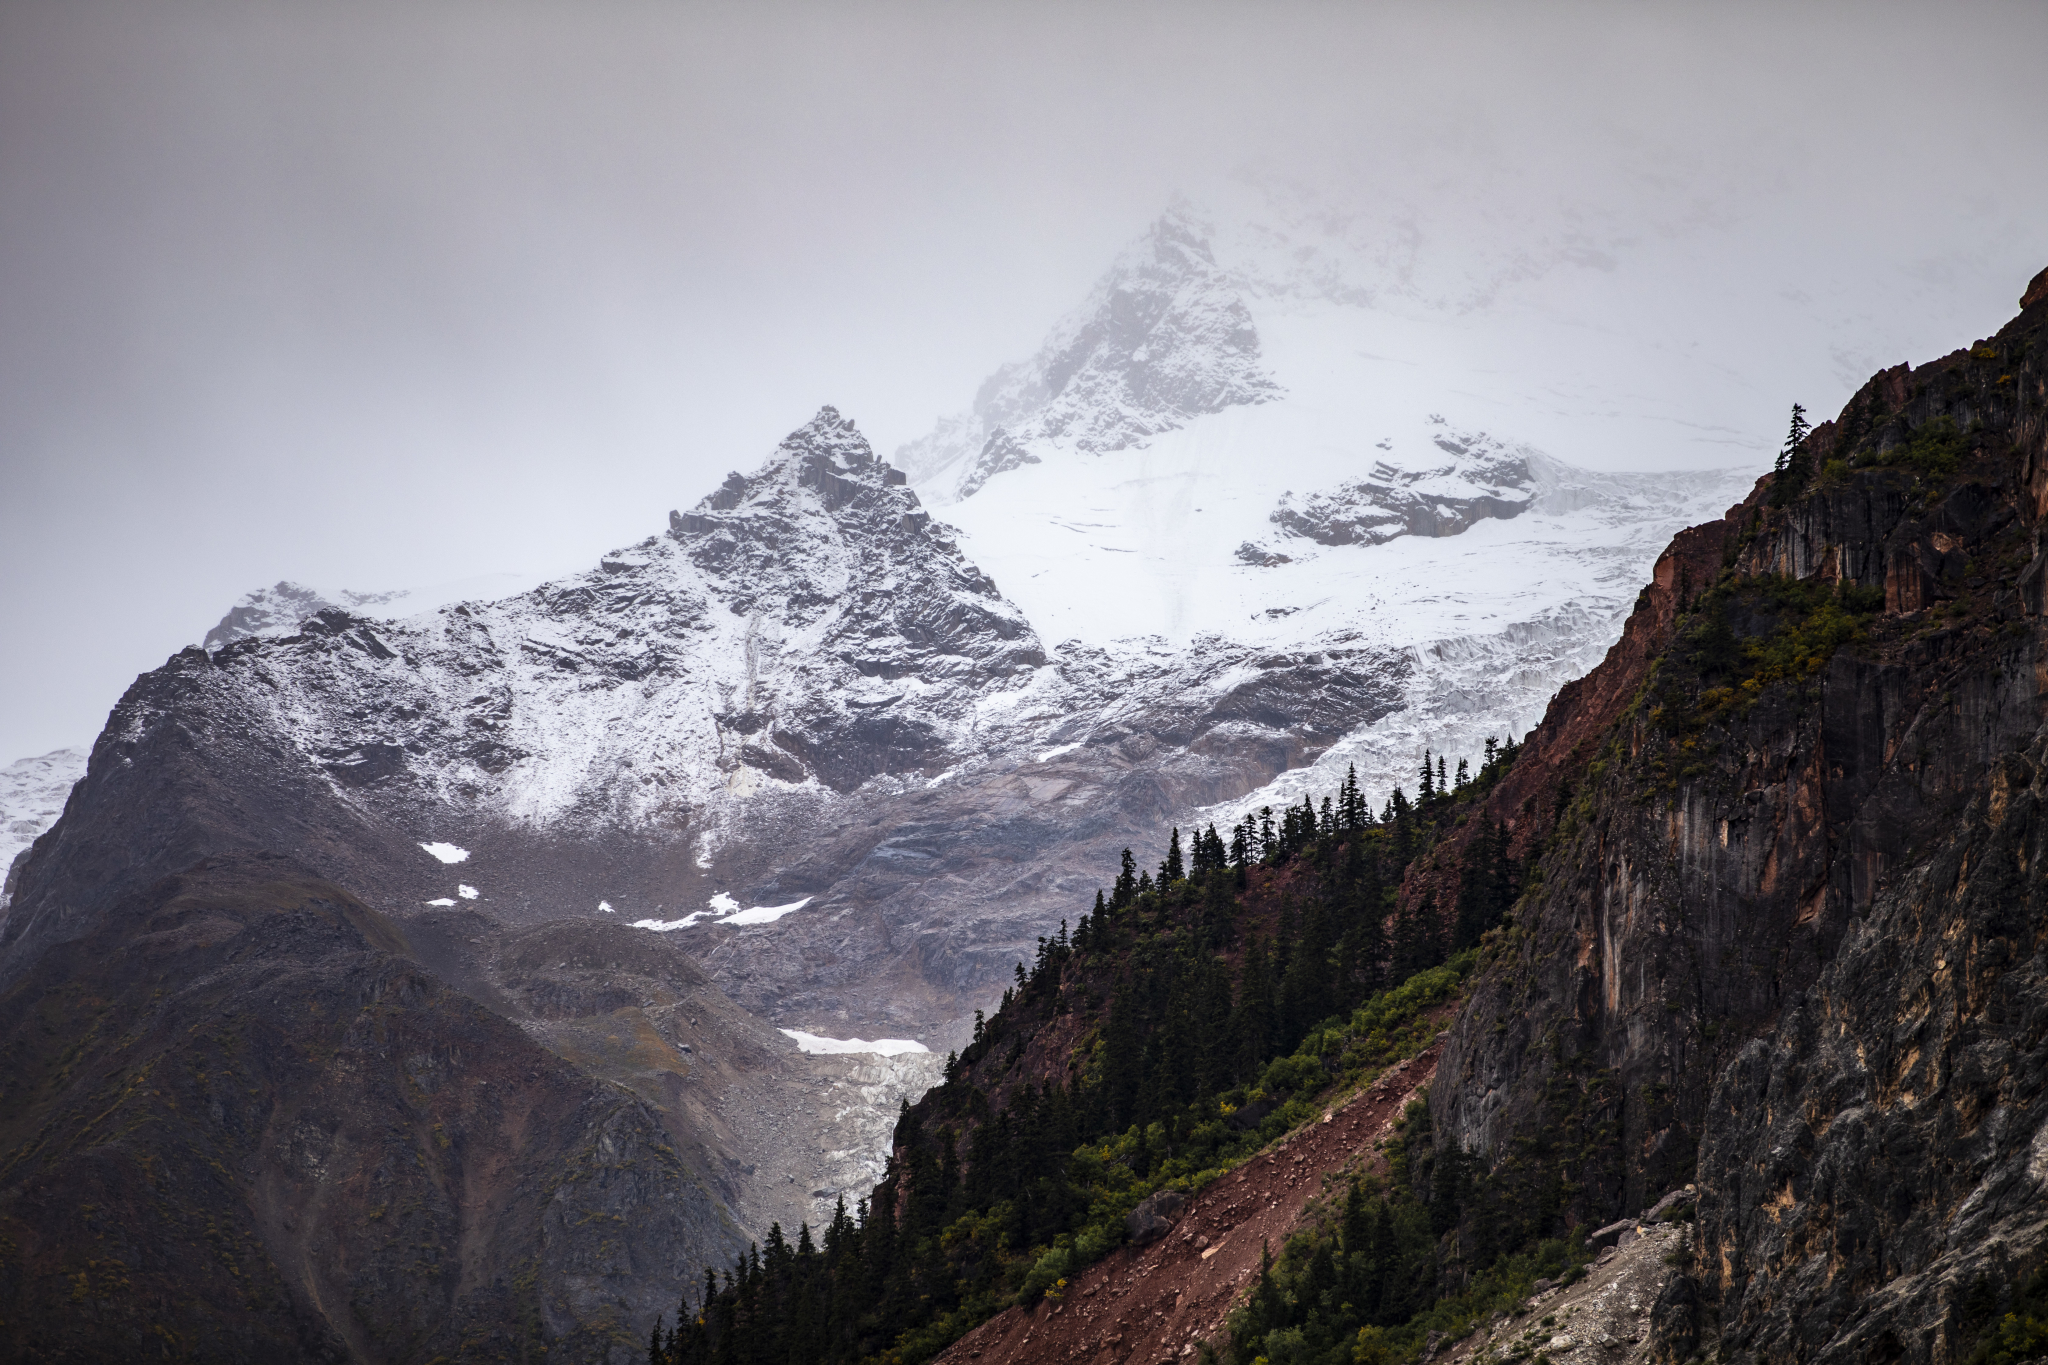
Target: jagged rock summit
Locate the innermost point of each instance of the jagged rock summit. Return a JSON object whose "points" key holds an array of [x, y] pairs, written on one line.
{"points": [[1164, 337]]}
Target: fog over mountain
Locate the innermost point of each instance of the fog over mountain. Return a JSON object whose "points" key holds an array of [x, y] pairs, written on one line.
{"points": [[599, 593], [389, 298]]}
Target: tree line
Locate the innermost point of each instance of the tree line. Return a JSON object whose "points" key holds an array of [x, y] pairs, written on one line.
{"points": [[1208, 996]]}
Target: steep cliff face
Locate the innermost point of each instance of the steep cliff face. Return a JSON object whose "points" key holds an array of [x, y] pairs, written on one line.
{"points": [[1781, 931]]}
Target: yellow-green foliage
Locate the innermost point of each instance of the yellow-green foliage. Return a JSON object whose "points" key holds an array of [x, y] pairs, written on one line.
{"points": [[1392, 1025], [1934, 451], [2018, 1337], [1743, 637], [1801, 646]]}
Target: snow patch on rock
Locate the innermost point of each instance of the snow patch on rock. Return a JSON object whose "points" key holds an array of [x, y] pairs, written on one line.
{"points": [[887, 1047], [724, 910]]}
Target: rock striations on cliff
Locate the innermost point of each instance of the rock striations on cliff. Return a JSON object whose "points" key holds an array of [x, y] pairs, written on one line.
{"points": [[1784, 930]]}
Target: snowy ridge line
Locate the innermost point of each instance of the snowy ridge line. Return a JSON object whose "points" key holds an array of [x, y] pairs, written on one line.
{"points": [[1461, 691], [279, 609], [726, 658]]}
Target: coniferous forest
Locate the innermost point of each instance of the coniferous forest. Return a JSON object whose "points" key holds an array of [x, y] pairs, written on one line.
{"points": [[1189, 1017]]}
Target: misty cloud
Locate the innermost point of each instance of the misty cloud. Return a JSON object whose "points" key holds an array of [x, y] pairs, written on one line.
{"points": [[390, 296]]}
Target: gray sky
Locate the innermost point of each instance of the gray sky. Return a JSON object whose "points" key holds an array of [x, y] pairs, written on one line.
{"points": [[385, 296]]}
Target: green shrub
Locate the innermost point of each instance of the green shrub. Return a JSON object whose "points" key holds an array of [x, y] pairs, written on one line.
{"points": [[2018, 1337], [1934, 452]]}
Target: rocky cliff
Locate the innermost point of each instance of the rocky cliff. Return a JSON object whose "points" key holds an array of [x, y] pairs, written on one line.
{"points": [[1783, 930]]}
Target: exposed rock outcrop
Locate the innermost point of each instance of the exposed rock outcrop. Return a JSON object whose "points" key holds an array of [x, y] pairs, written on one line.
{"points": [[1784, 933]]}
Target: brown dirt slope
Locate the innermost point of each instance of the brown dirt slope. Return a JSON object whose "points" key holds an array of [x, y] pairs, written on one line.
{"points": [[1155, 1303]]}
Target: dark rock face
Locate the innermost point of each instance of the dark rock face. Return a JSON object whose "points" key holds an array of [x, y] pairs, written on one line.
{"points": [[999, 455], [1788, 938], [1882, 1150], [1154, 1217], [1484, 481], [244, 1120]]}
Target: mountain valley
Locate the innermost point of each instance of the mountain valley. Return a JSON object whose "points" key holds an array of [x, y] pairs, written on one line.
{"points": [[460, 984]]}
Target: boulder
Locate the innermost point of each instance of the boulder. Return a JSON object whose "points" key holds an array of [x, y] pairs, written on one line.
{"points": [[1154, 1218]]}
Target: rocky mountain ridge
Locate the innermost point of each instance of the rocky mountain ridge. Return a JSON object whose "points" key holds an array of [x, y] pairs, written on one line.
{"points": [[802, 681], [1782, 940]]}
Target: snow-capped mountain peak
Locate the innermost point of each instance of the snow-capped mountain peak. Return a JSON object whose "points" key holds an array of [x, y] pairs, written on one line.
{"points": [[281, 608], [1164, 337]]}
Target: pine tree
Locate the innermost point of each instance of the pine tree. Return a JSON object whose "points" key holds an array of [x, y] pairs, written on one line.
{"points": [[1357, 1222], [1485, 887], [1794, 467], [1402, 844], [1362, 952], [1251, 1019], [1171, 870], [1416, 939]]}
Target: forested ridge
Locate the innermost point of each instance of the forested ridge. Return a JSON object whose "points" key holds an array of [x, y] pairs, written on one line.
{"points": [[1195, 1013]]}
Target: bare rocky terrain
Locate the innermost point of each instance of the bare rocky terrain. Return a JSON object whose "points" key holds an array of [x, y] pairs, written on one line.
{"points": [[1161, 1301], [1604, 1318]]}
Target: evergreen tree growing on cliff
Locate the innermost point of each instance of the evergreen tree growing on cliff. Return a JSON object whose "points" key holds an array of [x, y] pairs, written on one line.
{"points": [[1795, 465]]}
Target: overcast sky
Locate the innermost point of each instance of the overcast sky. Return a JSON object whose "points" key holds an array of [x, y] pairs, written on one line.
{"points": [[384, 297]]}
